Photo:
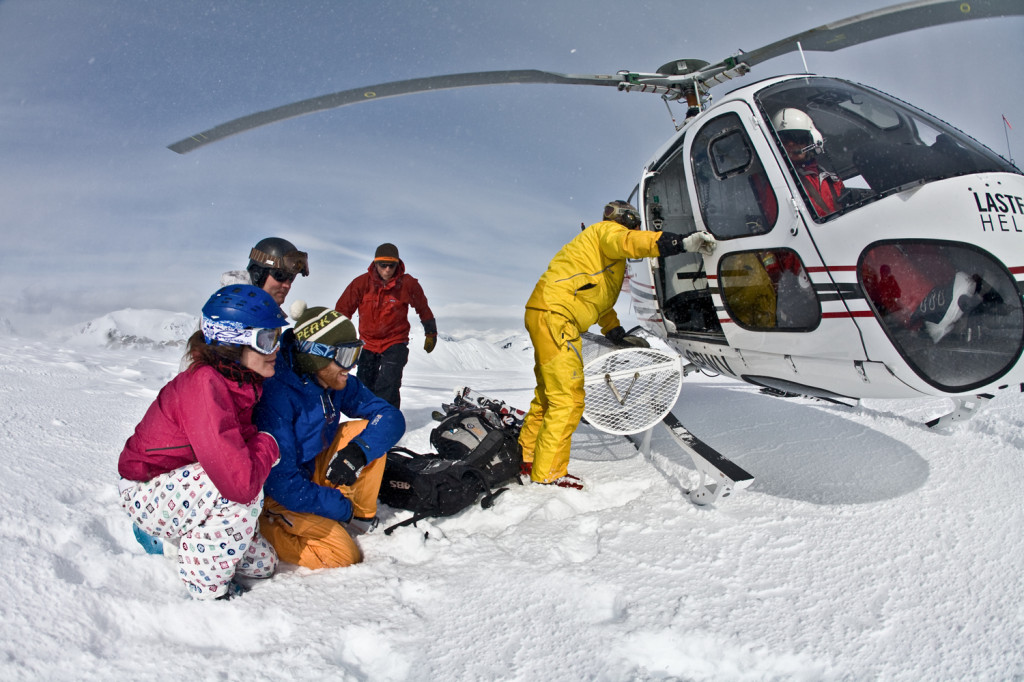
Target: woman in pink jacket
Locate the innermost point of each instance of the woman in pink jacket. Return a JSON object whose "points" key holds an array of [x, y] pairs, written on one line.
{"points": [[193, 472]]}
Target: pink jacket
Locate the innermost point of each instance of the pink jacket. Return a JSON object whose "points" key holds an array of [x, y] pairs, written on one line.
{"points": [[202, 416]]}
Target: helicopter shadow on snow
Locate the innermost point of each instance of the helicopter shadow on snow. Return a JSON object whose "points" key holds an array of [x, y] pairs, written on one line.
{"points": [[793, 449]]}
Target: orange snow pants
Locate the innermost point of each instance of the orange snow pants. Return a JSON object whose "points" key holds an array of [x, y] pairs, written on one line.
{"points": [[557, 404], [315, 541]]}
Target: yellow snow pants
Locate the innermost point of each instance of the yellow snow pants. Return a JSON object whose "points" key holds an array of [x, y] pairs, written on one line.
{"points": [[315, 541], [557, 404]]}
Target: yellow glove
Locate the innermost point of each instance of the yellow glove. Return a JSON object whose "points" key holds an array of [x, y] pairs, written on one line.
{"points": [[429, 343]]}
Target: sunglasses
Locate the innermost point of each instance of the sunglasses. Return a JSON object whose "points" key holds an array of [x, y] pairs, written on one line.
{"points": [[264, 340], [282, 276], [387, 264], [344, 355]]}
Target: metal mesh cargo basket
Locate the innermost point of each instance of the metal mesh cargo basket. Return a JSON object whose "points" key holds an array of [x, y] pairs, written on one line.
{"points": [[629, 390]]}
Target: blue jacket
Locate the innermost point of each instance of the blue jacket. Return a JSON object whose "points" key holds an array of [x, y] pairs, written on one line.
{"points": [[303, 417]]}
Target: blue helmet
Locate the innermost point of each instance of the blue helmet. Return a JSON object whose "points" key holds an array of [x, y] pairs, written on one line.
{"points": [[239, 307]]}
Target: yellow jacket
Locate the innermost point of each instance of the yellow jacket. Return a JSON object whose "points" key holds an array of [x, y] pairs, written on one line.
{"points": [[584, 278]]}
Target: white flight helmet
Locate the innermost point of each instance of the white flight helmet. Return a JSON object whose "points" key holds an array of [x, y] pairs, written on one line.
{"points": [[793, 124]]}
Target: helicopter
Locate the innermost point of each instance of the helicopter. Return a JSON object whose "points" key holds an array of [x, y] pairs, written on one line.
{"points": [[866, 249]]}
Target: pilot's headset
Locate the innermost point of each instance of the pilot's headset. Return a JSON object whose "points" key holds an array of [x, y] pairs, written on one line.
{"points": [[622, 213], [796, 126]]}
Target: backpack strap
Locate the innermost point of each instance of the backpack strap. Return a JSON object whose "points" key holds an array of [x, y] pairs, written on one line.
{"points": [[411, 521]]}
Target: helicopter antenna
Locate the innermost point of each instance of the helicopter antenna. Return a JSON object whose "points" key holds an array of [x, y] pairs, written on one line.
{"points": [[802, 56], [1006, 128]]}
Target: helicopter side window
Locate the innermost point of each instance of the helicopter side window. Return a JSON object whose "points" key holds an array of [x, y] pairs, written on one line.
{"points": [[952, 310], [730, 154], [736, 199], [769, 290]]}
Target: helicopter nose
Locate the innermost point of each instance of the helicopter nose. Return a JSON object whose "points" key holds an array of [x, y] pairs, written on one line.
{"points": [[952, 311]]}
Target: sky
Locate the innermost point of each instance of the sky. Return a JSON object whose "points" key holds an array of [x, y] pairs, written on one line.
{"points": [[868, 547], [478, 188]]}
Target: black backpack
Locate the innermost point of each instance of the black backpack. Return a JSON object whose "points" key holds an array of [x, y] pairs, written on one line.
{"points": [[463, 430], [445, 483]]}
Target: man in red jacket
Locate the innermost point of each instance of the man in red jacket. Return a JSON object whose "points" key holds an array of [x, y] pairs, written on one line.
{"points": [[382, 296]]}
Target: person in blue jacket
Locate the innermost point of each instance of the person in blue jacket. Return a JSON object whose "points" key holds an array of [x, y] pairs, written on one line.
{"points": [[324, 489]]}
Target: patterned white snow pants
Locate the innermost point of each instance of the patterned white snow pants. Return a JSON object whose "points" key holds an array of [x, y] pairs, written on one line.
{"points": [[215, 536]]}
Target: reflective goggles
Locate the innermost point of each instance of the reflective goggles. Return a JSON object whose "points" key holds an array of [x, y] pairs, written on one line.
{"points": [[800, 137], [622, 213], [293, 262], [264, 340], [344, 354], [803, 138], [387, 264]]}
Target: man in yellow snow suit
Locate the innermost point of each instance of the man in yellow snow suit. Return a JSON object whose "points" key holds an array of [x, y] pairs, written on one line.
{"points": [[580, 288]]}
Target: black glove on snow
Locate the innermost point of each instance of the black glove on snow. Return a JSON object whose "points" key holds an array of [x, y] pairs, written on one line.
{"points": [[615, 335], [619, 337], [345, 465], [669, 244]]}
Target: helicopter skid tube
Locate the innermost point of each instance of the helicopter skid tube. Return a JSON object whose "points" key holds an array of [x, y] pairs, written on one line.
{"points": [[719, 476]]}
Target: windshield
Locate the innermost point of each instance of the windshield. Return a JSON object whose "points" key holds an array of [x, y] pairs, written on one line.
{"points": [[847, 145]]}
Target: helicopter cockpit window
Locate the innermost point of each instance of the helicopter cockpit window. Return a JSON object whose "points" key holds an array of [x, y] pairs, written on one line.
{"points": [[769, 290], [736, 199], [847, 145]]}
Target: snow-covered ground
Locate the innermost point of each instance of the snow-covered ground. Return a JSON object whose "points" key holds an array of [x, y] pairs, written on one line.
{"points": [[868, 547]]}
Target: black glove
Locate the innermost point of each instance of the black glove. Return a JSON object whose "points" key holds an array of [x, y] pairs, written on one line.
{"points": [[670, 244], [619, 337], [344, 467]]}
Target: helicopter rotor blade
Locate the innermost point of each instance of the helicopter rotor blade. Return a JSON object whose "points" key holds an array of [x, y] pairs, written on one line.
{"points": [[881, 23], [392, 89], [673, 80]]}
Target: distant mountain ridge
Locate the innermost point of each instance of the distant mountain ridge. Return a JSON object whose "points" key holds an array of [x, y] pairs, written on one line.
{"points": [[152, 328]]}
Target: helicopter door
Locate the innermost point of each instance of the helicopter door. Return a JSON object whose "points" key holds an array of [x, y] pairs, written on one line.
{"points": [[681, 283], [766, 260]]}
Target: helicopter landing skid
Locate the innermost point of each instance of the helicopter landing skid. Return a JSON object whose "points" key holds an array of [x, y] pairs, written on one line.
{"points": [[718, 476], [963, 409]]}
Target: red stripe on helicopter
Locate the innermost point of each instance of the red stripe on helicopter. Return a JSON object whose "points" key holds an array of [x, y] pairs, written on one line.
{"points": [[1017, 271]]}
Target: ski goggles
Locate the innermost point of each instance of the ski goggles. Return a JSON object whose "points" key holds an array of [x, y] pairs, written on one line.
{"points": [[264, 340], [344, 355], [622, 213], [293, 262]]}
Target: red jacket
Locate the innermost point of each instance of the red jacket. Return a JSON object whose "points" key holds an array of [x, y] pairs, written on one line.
{"points": [[202, 416], [384, 307], [822, 187]]}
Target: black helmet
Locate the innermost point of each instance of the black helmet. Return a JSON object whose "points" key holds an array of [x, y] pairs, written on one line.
{"points": [[277, 256], [622, 213]]}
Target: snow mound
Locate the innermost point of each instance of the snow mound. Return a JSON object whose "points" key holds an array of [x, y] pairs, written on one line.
{"points": [[460, 355], [136, 329]]}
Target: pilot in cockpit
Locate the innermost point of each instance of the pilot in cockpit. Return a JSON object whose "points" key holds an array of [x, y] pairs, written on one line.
{"points": [[803, 143]]}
